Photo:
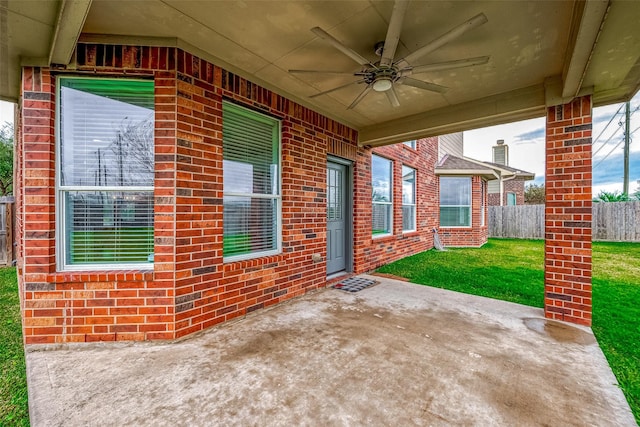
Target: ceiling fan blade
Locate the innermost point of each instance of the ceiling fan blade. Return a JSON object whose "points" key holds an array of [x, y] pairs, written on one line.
{"points": [[453, 34], [359, 97], [336, 88], [393, 32], [341, 47], [393, 97], [432, 87], [342, 73], [448, 65]]}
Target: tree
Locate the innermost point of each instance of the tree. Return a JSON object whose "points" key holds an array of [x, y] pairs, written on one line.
{"points": [[534, 194], [609, 196], [636, 195], [6, 159]]}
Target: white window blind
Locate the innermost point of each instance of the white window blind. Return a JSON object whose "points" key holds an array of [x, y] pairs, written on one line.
{"points": [[105, 172], [251, 183], [408, 199], [455, 201], [382, 195]]}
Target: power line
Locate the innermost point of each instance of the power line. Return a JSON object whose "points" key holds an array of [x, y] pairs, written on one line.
{"points": [[604, 144], [595, 141], [608, 154], [614, 148], [607, 141]]}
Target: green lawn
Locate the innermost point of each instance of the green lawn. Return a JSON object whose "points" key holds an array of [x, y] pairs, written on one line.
{"points": [[132, 244], [236, 244], [13, 381], [513, 270]]}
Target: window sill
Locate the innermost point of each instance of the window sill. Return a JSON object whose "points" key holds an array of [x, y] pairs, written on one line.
{"points": [[453, 227], [383, 238], [250, 257], [261, 262], [101, 275], [410, 233]]}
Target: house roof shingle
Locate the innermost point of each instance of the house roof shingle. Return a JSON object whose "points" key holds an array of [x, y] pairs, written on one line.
{"points": [[453, 165]]}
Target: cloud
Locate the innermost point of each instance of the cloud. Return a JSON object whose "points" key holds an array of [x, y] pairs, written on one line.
{"points": [[610, 171], [530, 137], [612, 112]]}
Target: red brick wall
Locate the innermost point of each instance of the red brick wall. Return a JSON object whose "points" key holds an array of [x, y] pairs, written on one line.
{"points": [[190, 287], [476, 235], [83, 306], [371, 253], [568, 212]]}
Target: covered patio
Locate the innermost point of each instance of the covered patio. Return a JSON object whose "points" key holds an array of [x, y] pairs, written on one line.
{"points": [[392, 354], [365, 73]]}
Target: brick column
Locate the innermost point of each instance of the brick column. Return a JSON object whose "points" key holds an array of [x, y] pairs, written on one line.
{"points": [[567, 270]]}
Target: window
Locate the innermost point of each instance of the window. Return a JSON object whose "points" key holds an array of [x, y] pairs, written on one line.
{"points": [[410, 144], [483, 185], [408, 199], [251, 183], [511, 199], [455, 201], [381, 170], [105, 173]]}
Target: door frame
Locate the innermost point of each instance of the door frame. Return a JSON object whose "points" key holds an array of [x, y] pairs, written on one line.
{"points": [[349, 211]]}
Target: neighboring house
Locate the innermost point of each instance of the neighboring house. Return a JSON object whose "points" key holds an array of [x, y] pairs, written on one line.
{"points": [[510, 185], [462, 185], [508, 189], [467, 186], [463, 201]]}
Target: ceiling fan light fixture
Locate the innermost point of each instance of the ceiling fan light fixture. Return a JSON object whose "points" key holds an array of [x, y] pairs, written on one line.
{"points": [[382, 84]]}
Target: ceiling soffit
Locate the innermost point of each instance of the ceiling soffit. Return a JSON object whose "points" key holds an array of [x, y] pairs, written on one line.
{"points": [[541, 53]]}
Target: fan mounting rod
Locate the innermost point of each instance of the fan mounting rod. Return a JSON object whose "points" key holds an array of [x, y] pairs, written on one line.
{"points": [[381, 77]]}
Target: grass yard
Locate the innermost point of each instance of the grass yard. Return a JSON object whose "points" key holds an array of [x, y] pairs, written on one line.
{"points": [[130, 244], [513, 270], [13, 381]]}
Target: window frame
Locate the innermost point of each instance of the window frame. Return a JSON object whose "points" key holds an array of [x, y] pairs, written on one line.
{"points": [[247, 112], [61, 190], [483, 186], [389, 203], [512, 196], [412, 143], [470, 205], [412, 205]]}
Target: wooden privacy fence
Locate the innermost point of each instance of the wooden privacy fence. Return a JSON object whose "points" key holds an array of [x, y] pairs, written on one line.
{"points": [[613, 222], [519, 222], [6, 230]]}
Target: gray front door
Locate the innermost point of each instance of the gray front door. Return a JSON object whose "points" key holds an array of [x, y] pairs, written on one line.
{"points": [[336, 217]]}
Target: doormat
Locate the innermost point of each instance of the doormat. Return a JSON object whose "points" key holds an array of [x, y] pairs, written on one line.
{"points": [[354, 284]]}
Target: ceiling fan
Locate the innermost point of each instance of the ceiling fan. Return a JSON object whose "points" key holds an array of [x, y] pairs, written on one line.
{"points": [[386, 73]]}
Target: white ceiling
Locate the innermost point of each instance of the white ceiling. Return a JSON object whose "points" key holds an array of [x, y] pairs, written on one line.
{"points": [[541, 52]]}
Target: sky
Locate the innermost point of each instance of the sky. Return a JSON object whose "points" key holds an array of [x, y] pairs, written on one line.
{"points": [[526, 145], [6, 112]]}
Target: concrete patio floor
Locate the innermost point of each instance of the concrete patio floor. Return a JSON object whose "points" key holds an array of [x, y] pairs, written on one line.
{"points": [[392, 354]]}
